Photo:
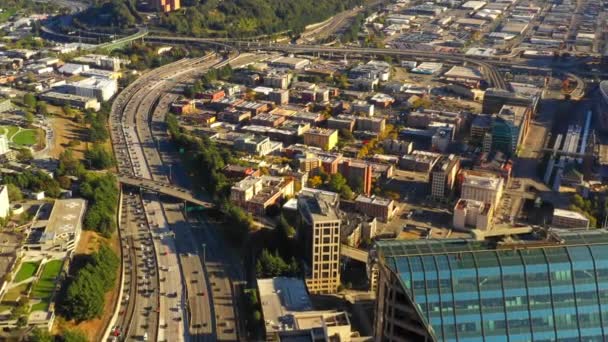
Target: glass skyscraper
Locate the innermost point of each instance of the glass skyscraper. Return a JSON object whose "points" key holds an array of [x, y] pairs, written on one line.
{"points": [[546, 286]]}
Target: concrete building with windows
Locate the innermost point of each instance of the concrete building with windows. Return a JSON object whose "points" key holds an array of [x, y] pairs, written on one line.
{"points": [[487, 189], [471, 214], [100, 88], [443, 176], [319, 230], [57, 229], [288, 313], [569, 219], [543, 286], [256, 194], [76, 101], [381, 208]]}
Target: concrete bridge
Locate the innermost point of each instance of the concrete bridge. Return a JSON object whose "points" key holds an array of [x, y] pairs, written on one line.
{"points": [[164, 188], [353, 253]]}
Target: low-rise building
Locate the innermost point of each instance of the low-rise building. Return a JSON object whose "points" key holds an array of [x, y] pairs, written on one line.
{"points": [[290, 63], [100, 88], [322, 138], [257, 194], [376, 125], [254, 144], [61, 231], [569, 219], [289, 315], [76, 101], [183, 106]]}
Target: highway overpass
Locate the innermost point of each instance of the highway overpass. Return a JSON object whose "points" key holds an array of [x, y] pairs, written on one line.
{"points": [[492, 75], [164, 188]]}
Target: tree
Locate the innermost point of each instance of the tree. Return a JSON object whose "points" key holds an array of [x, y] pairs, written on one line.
{"points": [[315, 182], [41, 108], [336, 182], [29, 118], [29, 100], [25, 155], [41, 335], [99, 158], [14, 193], [69, 165], [68, 111]]}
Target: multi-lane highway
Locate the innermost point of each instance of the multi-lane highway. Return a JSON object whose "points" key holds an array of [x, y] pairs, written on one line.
{"points": [[187, 304]]}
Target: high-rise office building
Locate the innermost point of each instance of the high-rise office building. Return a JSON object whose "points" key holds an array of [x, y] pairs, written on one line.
{"points": [[544, 286], [319, 229]]}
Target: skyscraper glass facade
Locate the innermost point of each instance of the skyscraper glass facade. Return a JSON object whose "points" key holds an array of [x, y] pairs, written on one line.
{"points": [[464, 290]]}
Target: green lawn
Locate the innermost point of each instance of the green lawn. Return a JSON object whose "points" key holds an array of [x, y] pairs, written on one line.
{"points": [[14, 293], [42, 306], [43, 289], [7, 13], [9, 131], [27, 269], [26, 137]]}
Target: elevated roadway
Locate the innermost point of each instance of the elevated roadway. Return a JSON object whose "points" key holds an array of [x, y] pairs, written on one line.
{"points": [[354, 253], [163, 188], [494, 77]]}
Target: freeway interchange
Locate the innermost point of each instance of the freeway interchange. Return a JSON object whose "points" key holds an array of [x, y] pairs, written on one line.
{"points": [[166, 294]]}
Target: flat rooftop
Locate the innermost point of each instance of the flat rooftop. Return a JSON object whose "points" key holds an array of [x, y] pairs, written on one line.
{"points": [[569, 214], [65, 217], [280, 297]]}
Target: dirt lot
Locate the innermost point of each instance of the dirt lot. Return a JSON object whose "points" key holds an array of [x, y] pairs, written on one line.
{"points": [[66, 130], [89, 243]]}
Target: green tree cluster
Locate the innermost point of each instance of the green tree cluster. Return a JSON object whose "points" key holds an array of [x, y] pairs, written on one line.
{"points": [[69, 165], [337, 183], [99, 158], [97, 130], [271, 265], [84, 297], [591, 208], [253, 316], [34, 181], [102, 193], [115, 13]]}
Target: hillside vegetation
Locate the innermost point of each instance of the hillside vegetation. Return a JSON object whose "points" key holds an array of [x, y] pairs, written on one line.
{"points": [[224, 18]]}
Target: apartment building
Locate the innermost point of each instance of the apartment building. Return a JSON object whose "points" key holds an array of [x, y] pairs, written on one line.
{"points": [[258, 145], [319, 228]]}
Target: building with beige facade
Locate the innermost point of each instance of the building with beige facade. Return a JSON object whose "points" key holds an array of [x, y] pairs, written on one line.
{"points": [[471, 214], [321, 138], [319, 229], [443, 176], [381, 208], [257, 194]]}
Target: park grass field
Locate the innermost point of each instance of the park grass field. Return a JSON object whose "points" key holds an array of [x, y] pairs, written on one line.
{"points": [[27, 270], [20, 136], [43, 289]]}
